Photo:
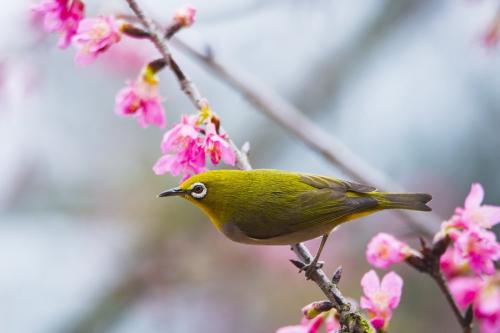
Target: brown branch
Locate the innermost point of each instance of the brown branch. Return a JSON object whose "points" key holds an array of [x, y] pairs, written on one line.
{"points": [[159, 42], [350, 321], [428, 262], [443, 286]]}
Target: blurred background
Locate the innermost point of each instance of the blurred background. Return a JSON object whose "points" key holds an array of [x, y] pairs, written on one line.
{"points": [[85, 245]]}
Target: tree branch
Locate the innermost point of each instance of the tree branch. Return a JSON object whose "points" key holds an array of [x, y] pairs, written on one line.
{"points": [[443, 286], [429, 262], [159, 42], [350, 321]]}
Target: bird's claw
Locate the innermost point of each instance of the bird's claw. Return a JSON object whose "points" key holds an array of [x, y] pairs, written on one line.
{"points": [[309, 269]]}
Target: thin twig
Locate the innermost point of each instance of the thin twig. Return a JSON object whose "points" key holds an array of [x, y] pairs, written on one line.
{"points": [[158, 40], [428, 262], [438, 277], [351, 321]]}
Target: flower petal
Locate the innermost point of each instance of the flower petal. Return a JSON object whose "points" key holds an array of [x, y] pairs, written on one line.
{"points": [[365, 303], [464, 290], [164, 165], [491, 215], [370, 283], [315, 324], [475, 197], [378, 322], [392, 284]]}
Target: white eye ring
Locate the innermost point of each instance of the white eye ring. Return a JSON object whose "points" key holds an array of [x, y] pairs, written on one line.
{"points": [[198, 194]]}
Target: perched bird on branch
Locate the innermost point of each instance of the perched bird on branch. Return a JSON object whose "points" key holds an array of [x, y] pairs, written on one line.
{"points": [[274, 207]]}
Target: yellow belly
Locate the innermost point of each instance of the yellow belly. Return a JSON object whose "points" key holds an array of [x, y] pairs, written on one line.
{"points": [[231, 231]]}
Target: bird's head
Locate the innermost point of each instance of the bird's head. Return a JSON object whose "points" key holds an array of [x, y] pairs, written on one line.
{"points": [[209, 190]]}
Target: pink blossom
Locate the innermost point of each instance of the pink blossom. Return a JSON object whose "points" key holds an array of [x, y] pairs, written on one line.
{"points": [[484, 295], [476, 214], [385, 250], [473, 214], [450, 228], [313, 325], [217, 146], [184, 16], [181, 134], [452, 263], [490, 324], [188, 162], [480, 248], [332, 325], [465, 289], [380, 298], [94, 36], [487, 305], [60, 16], [182, 149], [306, 326], [140, 99]]}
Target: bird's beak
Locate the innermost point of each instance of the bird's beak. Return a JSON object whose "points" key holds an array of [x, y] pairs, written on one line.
{"points": [[172, 192]]}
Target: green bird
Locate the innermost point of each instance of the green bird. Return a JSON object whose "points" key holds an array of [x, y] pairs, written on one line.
{"points": [[274, 207]]}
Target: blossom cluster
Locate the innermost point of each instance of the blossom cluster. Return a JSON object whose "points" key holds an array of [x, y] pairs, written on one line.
{"points": [[90, 36], [468, 263], [140, 99], [186, 146]]}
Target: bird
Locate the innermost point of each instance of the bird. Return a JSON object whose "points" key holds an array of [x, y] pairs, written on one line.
{"points": [[275, 207]]}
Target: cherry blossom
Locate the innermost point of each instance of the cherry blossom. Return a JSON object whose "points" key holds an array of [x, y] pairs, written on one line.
{"points": [[94, 36], [380, 298], [183, 150], [61, 16], [140, 99], [480, 248], [385, 250], [487, 305], [314, 325], [465, 289], [452, 263], [217, 146]]}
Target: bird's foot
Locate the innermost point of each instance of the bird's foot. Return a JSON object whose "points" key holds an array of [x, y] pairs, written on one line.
{"points": [[309, 269]]}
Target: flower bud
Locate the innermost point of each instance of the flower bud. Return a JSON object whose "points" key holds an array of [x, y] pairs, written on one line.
{"points": [[184, 16], [313, 309]]}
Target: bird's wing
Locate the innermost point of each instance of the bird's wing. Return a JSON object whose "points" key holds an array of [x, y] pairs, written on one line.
{"points": [[327, 201], [321, 182]]}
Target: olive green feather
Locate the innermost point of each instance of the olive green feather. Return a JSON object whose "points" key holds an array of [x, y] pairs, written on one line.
{"points": [[279, 207]]}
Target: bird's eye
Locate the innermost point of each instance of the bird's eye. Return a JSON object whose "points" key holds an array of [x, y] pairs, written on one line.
{"points": [[198, 190]]}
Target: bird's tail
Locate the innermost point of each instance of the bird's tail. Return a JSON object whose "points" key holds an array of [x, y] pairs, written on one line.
{"points": [[413, 201]]}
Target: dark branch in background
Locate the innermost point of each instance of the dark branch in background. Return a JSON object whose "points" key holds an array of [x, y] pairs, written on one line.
{"points": [[349, 320]]}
